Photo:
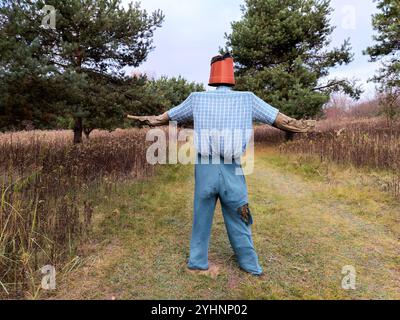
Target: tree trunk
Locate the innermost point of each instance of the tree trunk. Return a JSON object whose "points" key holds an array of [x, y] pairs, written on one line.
{"points": [[87, 132], [78, 129]]}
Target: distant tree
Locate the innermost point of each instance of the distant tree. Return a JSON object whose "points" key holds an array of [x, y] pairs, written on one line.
{"points": [[28, 101], [105, 103], [338, 106], [173, 90], [389, 101], [280, 50], [387, 48], [158, 95], [92, 42], [366, 109], [27, 82]]}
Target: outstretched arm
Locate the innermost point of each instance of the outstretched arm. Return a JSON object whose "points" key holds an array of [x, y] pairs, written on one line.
{"points": [[152, 120], [181, 114], [288, 124]]}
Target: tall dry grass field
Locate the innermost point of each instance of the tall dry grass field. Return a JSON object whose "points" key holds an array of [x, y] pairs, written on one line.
{"points": [[46, 187], [372, 143], [268, 135]]}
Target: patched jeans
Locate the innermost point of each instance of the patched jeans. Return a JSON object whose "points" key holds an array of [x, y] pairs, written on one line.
{"points": [[222, 181]]}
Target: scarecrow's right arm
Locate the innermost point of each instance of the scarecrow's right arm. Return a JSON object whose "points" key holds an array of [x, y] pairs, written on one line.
{"points": [[182, 114], [152, 120]]}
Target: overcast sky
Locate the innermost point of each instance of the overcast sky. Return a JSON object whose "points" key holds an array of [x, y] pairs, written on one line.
{"points": [[194, 30]]}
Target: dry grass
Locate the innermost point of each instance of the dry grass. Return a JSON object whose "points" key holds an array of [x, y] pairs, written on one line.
{"points": [[371, 143], [47, 189], [307, 226], [268, 135], [51, 191]]}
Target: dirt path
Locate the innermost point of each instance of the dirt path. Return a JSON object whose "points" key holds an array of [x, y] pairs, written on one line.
{"points": [[308, 226]]}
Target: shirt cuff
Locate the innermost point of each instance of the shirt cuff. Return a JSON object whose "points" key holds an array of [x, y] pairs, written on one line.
{"points": [[274, 115], [172, 114]]}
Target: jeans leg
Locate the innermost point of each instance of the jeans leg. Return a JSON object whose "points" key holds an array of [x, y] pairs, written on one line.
{"points": [[239, 234], [201, 231]]}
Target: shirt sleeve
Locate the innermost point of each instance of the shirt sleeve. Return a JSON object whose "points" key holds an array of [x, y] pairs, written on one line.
{"points": [[183, 112], [262, 111]]}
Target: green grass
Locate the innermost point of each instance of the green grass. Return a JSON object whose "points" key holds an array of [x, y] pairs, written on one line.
{"points": [[310, 220]]}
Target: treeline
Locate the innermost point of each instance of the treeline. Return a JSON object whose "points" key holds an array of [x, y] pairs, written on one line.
{"points": [[66, 67], [283, 53]]}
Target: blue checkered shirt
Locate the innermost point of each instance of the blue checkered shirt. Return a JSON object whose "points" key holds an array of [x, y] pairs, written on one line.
{"points": [[223, 119]]}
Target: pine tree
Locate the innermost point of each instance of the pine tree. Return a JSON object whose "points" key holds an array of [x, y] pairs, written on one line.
{"points": [[157, 95], [172, 91], [93, 40], [387, 48], [28, 84], [281, 52]]}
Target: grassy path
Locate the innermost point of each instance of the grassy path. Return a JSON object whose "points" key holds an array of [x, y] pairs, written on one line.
{"points": [[308, 225]]}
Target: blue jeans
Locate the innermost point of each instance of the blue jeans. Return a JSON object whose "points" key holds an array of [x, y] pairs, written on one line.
{"points": [[221, 181]]}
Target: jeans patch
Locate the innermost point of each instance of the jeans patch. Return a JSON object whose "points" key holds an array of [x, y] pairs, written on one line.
{"points": [[245, 215]]}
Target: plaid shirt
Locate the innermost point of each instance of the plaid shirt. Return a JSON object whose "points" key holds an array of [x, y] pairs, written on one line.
{"points": [[223, 119]]}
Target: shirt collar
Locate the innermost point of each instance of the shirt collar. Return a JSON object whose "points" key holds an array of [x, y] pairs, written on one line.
{"points": [[224, 88]]}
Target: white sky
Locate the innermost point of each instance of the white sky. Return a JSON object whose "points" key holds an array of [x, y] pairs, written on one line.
{"points": [[193, 31]]}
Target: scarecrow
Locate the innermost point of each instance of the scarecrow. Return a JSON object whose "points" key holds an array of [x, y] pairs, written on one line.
{"points": [[232, 112]]}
